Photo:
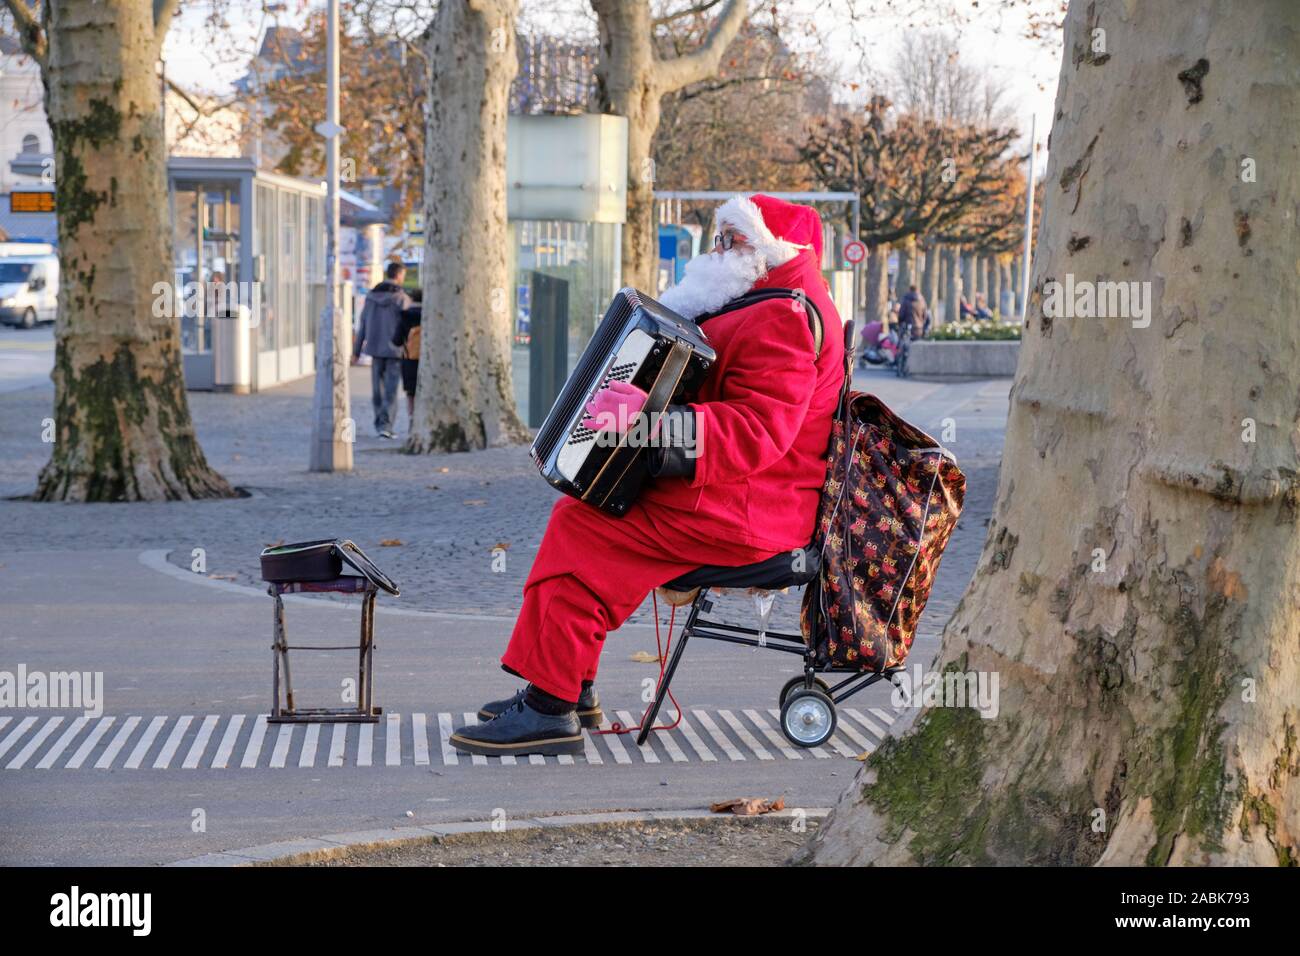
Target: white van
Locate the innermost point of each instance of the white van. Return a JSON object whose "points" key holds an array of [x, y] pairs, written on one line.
{"points": [[29, 289]]}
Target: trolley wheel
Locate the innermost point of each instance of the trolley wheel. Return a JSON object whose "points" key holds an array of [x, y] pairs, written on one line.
{"points": [[797, 682], [808, 718]]}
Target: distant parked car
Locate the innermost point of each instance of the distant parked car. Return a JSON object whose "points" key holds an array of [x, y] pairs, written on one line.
{"points": [[29, 289]]}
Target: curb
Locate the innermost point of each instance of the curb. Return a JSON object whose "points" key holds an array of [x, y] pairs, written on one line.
{"points": [[335, 844]]}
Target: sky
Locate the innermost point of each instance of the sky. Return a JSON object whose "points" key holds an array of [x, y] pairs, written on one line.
{"points": [[860, 49]]}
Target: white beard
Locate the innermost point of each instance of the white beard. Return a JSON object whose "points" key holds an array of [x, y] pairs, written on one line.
{"points": [[712, 280]]}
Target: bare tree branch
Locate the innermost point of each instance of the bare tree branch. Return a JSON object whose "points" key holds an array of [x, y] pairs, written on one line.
{"points": [[699, 65], [30, 34]]}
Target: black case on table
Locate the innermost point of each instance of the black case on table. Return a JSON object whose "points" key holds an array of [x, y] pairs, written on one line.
{"points": [[321, 561]]}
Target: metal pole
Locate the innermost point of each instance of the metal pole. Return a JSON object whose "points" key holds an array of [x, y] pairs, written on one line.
{"points": [[331, 447], [1029, 219]]}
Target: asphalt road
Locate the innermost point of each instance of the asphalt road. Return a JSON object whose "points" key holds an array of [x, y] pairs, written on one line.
{"points": [[178, 763]]}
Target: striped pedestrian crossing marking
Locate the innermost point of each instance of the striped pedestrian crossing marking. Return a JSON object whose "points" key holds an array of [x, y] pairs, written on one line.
{"points": [[719, 738], [200, 742], [773, 737], [872, 727], [89, 744], [219, 742], [393, 741], [281, 752], [449, 757], [61, 744], [338, 743], [16, 734], [254, 748], [173, 743], [31, 747], [694, 740], [227, 745], [477, 759], [420, 731], [745, 736], [308, 756]]}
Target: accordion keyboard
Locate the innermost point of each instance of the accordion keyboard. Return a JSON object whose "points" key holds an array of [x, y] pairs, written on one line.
{"points": [[619, 373]]}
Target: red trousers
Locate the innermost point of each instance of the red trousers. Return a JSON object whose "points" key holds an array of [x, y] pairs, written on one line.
{"points": [[592, 571]]}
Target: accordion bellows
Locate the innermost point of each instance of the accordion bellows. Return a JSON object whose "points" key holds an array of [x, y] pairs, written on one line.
{"points": [[638, 341], [890, 503]]}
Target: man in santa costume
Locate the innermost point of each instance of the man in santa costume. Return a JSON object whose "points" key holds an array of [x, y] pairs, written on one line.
{"points": [[745, 490]]}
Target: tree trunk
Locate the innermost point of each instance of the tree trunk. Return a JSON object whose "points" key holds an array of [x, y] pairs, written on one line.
{"points": [[906, 267], [631, 80], [968, 275], [1146, 632], [1013, 270], [995, 285], [953, 289], [930, 276], [123, 428], [465, 393], [877, 309]]}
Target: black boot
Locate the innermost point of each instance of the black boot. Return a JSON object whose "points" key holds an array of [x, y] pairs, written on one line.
{"points": [[589, 712], [521, 730]]}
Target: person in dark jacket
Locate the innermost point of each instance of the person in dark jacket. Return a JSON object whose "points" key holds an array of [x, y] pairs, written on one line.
{"points": [[380, 318], [912, 308], [407, 338]]}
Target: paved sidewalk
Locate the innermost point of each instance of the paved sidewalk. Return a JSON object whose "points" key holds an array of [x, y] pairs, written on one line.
{"points": [[186, 656], [450, 513]]}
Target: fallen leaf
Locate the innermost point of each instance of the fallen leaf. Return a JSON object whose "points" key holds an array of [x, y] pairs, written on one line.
{"points": [[474, 501], [222, 577], [501, 545], [863, 756], [443, 471], [645, 657], [276, 544], [748, 806], [432, 487], [391, 543]]}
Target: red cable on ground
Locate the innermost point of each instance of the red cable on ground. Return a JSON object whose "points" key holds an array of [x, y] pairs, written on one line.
{"points": [[618, 728]]}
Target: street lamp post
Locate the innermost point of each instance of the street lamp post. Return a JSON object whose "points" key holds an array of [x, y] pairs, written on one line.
{"points": [[332, 427], [1029, 220]]}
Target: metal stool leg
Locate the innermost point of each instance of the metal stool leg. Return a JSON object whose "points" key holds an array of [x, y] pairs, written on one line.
{"points": [[661, 692], [281, 653], [365, 686]]}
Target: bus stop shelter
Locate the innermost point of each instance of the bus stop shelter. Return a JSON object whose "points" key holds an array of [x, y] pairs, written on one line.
{"points": [[262, 235]]}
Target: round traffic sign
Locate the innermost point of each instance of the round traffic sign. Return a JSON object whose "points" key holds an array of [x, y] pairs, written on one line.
{"points": [[854, 252]]}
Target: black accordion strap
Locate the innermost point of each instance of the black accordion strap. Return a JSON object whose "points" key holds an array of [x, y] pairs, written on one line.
{"points": [[755, 296]]}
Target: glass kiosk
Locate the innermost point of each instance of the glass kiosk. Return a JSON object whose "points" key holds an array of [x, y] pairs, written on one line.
{"points": [[249, 271]]}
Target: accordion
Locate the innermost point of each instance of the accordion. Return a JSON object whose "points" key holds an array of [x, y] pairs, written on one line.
{"points": [[640, 342]]}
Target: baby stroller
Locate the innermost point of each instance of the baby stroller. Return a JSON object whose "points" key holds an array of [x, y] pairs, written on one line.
{"points": [[890, 502]]}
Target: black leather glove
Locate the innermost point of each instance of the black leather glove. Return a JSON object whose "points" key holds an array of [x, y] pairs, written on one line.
{"points": [[672, 455]]}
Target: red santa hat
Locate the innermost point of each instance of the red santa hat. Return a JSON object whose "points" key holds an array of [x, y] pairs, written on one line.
{"points": [[776, 228]]}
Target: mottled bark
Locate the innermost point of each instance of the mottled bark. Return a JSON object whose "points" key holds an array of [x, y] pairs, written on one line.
{"points": [[1137, 590], [122, 421], [906, 267], [930, 276], [877, 284], [465, 394], [952, 289]]}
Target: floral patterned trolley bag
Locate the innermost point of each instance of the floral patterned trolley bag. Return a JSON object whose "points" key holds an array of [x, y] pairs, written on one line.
{"points": [[891, 500]]}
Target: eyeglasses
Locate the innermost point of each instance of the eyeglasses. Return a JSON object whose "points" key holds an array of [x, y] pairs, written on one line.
{"points": [[724, 239]]}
